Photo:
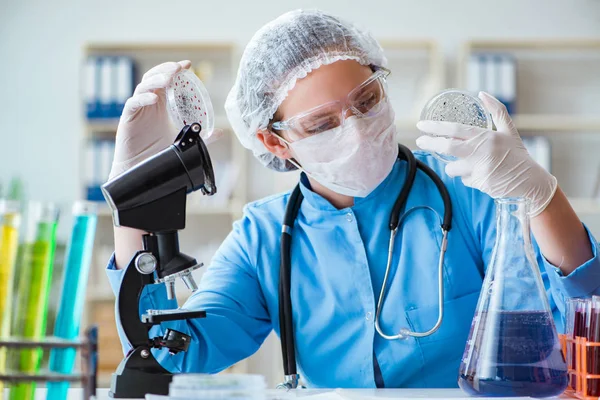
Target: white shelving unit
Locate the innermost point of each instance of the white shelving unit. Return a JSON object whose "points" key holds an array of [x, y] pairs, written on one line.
{"points": [[558, 96]]}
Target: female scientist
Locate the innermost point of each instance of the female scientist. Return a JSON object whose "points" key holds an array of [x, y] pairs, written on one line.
{"points": [[310, 93]]}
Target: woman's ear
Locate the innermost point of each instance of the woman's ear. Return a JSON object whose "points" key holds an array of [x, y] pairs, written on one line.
{"points": [[274, 144]]}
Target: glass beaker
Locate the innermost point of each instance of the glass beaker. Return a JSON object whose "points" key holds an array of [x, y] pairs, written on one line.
{"points": [[513, 347]]}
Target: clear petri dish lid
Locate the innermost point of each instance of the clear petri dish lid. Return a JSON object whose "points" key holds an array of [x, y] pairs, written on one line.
{"points": [[188, 102], [455, 105]]}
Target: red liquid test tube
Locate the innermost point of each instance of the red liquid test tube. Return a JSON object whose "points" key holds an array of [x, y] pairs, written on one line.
{"points": [[594, 352], [571, 330]]}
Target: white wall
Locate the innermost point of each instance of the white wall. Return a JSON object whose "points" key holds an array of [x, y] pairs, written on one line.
{"points": [[41, 50]]}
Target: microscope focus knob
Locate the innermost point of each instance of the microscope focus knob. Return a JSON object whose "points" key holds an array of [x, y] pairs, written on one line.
{"points": [[145, 263]]}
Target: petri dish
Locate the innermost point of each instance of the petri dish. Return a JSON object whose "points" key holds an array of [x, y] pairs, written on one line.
{"points": [[188, 102], [455, 105]]}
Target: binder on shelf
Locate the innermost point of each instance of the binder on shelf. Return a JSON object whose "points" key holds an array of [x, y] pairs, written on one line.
{"points": [[124, 81], [107, 150], [106, 87], [91, 88], [508, 82], [89, 168], [492, 83], [109, 82], [496, 74], [99, 156], [475, 79]]}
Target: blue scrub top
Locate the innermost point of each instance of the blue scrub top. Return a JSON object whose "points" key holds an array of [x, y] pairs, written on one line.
{"points": [[338, 263]]}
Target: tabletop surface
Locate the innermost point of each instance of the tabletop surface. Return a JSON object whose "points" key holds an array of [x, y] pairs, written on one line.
{"points": [[337, 394]]}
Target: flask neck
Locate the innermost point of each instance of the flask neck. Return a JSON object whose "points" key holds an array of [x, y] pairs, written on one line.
{"points": [[513, 279], [512, 224]]}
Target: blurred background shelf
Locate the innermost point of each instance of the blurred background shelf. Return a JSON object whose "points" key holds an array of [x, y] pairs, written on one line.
{"points": [[532, 44], [554, 123]]}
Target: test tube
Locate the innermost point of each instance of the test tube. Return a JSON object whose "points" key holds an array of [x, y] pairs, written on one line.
{"points": [[10, 221], [594, 352], [579, 329], [588, 330], [74, 281], [570, 329], [34, 277]]}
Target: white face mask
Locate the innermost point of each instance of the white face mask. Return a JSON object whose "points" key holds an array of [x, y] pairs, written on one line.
{"points": [[352, 159]]}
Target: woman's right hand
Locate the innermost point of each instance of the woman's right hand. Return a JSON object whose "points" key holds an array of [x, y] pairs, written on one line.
{"points": [[145, 127]]}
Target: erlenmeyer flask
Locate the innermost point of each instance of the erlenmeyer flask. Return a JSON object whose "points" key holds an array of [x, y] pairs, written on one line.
{"points": [[513, 347]]}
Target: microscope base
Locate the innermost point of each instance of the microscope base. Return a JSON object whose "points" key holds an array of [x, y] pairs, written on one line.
{"points": [[136, 384], [137, 376]]}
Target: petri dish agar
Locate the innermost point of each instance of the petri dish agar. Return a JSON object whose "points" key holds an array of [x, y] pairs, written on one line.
{"points": [[188, 102], [454, 105]]}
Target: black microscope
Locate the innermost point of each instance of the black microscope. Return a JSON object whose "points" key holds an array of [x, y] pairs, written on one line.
{"points": [[152, 197]]}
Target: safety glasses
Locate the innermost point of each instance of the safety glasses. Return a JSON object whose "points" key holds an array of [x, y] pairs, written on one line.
{"points": [[365, 100]]}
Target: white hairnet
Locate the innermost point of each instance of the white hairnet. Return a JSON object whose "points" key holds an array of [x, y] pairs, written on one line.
{"points": [[280, 53]]}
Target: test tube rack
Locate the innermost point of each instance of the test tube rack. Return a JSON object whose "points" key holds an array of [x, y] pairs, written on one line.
{"points": [[581, 374], [88, 348]]}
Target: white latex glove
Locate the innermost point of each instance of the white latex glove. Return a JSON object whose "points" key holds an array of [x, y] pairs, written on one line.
{"points": [[495, 162], [145, 127]]}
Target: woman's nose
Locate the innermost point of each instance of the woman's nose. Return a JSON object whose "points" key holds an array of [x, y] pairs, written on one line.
{"points": [[347, 112]]}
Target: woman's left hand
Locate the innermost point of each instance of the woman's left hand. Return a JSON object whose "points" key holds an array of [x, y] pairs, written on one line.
{"points": [[495, 162]]}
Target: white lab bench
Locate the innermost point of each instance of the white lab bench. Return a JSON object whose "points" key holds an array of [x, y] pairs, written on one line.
{"points": [[338, 394]]}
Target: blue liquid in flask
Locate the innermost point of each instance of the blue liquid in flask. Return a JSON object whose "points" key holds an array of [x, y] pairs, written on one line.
{"points": [[68, 319], [513, 353]]}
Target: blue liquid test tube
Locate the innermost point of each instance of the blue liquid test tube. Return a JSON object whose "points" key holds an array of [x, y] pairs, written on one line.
{"points": [[75, 277]]}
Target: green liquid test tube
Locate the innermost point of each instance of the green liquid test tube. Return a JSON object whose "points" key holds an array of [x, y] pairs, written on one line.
{"points": [[35, 276], [10, 221], [77, 266]]}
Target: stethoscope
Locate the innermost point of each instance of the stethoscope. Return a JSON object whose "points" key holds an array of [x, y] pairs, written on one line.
{"points": [[286, 326]]}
